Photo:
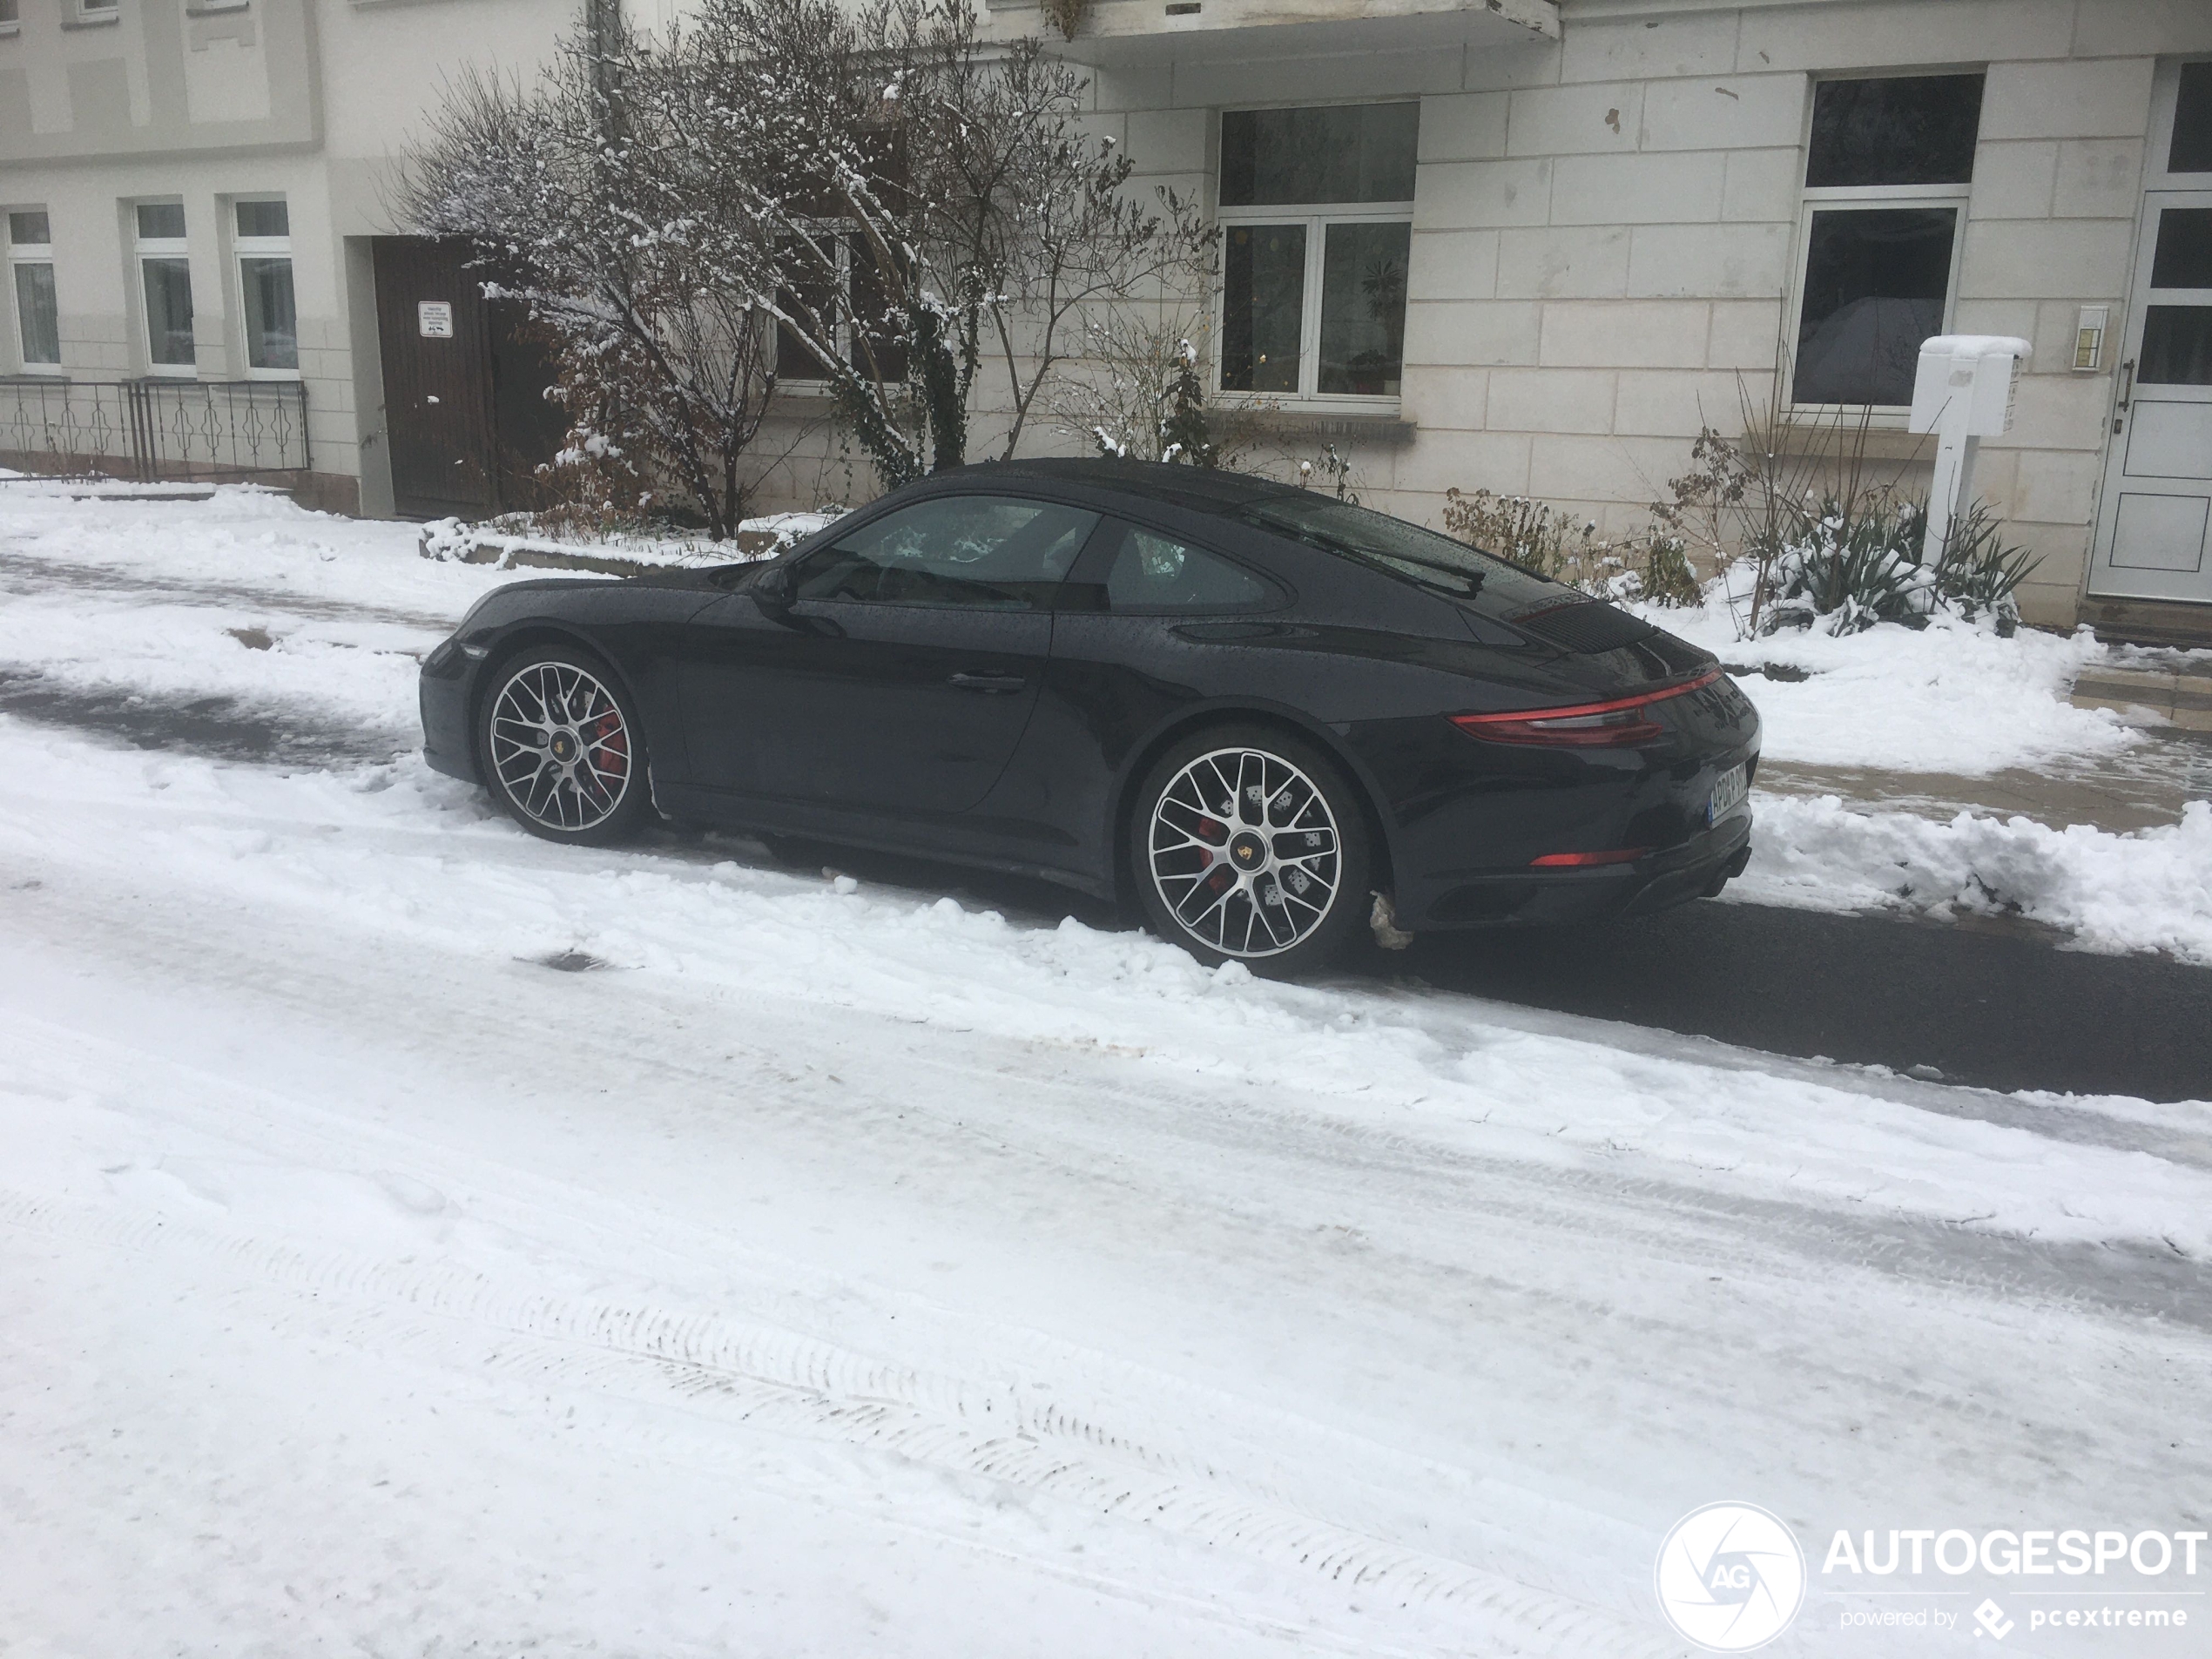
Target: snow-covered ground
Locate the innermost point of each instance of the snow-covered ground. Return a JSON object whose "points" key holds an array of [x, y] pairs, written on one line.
{"points": [[1955, 699], [419, 1239], [2148, 891], [1950, 697]]}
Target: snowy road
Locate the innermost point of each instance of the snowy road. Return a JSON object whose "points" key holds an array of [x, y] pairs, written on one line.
{"points": [[419, 1238]]}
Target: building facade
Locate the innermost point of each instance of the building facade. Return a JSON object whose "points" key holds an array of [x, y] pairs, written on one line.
{"points": [[1521, 245]]}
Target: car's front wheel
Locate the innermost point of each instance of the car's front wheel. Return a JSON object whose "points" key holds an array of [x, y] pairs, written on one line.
{"points": [[563, 751], [1250, 846]]}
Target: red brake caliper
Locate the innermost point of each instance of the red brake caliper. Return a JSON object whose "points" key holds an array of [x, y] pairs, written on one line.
{"points": [[1222, 875], [611, 750]]}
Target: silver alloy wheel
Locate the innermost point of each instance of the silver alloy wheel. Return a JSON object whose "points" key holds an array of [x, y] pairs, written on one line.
{"points": [[1245, 852], [560, 745]]}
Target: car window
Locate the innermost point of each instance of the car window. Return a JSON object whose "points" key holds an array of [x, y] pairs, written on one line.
{"points": [[1156, 572], [1436, 562], [986, 552]]}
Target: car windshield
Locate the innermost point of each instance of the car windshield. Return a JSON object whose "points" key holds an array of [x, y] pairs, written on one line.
{"points": [[1434, 561]]}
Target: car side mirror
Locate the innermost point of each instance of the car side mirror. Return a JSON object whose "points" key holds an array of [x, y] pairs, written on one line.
{"points": [[772, 590]]}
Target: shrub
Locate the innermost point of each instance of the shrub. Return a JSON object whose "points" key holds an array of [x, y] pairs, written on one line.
{"points": [[1849, 565], [1652, 566], [1666, 575], [1976, 575], [1856, 563], [1534, 535]]}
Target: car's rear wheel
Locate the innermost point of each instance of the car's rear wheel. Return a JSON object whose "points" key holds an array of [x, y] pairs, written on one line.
{"points": [[1250, 846], [563, 754]]}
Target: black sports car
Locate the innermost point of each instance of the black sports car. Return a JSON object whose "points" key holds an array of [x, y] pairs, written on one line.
{"points": [[1251, 708]]}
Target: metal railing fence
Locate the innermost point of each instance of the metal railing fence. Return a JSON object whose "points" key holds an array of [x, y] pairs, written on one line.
{"points": [[152, 429]]}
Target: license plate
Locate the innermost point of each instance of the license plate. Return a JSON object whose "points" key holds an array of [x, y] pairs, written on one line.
{"points": [[1730, 790]]}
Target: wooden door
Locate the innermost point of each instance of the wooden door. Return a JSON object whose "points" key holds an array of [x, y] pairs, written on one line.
{"points": [[437, 379]]}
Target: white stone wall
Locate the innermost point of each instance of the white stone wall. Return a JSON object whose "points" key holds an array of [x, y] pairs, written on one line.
{"points": [[1607, 228], [96, 292], [1607, 232], [380, 67]]}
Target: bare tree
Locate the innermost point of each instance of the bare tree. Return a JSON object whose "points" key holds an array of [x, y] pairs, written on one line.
{"points": [[1139, 391], [873, 194], [585, 198], [1035, 213], [937, 206]]}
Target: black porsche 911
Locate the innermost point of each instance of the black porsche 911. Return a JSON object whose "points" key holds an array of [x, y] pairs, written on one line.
{"points": [[1248, 707]]}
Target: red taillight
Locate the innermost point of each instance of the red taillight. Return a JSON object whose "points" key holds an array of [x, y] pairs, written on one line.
{"points": [[1579, 860], [1612, 725]]}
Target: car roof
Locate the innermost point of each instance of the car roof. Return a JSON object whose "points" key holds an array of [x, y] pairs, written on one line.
{"points": [[1205, 490]]}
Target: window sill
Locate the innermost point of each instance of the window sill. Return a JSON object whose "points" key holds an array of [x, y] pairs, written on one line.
{"points": [[1814, 430], [1369, 423], [73, 21], [809, 400]]}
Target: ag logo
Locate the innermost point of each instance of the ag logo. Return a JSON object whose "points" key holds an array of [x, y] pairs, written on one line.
{"points": [[1731, 1577]]}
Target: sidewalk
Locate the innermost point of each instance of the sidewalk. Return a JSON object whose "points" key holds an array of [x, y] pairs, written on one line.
{"points": [[2176, 686], [2142, 788]]}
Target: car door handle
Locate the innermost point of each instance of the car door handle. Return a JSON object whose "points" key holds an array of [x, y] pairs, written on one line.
{"points": [[987, 682]]}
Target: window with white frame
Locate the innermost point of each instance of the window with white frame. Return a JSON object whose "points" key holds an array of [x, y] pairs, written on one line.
{"points": [[1316, 211], [1886, 175], [164, 282], [30, 273], [98, 11], [264, 253]]}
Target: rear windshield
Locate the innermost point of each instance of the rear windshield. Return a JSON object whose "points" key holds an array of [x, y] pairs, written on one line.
{"points": [[1436, 562]]}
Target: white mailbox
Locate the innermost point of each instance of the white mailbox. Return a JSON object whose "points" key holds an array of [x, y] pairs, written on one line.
{"points": [[1962, 392]]}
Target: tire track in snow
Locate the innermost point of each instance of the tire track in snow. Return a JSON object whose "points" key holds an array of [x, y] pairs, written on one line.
{"points": [[23, 573], [218, 726], [787, 1384]]}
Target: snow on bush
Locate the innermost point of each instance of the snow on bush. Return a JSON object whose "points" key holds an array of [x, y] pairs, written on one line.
{"points": [[1854, 564], [2149, 891], [455, 539]]}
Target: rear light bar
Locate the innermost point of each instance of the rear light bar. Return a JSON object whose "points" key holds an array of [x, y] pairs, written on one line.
{"points": [[1615, 724], [1583, 861]]}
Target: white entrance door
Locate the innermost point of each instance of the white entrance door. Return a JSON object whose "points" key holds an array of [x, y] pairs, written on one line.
{"points": [[2155, 519], [2154, 530]]}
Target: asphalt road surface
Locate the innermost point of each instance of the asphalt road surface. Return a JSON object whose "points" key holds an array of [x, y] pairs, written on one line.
{"points": [[2001, 1007], [1993, 1004]]}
